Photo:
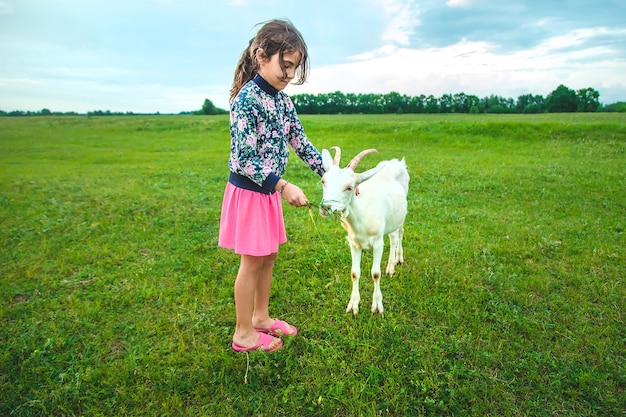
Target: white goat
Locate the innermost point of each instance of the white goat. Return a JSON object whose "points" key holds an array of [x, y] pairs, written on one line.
{"points": [[372, 204]]}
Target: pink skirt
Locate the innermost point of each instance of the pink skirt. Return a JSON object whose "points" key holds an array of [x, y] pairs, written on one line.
{"points": [[251, 223]]}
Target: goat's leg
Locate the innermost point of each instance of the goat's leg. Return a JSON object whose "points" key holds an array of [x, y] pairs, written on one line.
{"points": [[393, 251], [400, 252], [355, 274], [377, 298]]}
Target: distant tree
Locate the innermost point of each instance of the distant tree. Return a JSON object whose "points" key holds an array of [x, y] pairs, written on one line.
{"points": [[432, 104], [588, 100], [531, 108], [416, 104], [305, 103], [208, 107], [497, 104], [562, 100], [336, 102], [528, 103], [619, 107], [394, 102], [446, 103], [352, 102], [463, 103]]}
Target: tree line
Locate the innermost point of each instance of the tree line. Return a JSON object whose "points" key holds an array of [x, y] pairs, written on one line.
{"points": [[48, 112], [562, 99]]}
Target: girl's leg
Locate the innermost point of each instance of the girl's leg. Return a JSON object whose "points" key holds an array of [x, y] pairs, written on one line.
{"points": [[252, 273], [261, 317]]}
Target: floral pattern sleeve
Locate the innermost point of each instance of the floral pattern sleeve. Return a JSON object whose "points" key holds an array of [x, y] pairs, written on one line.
{"points": [[300, 143]]}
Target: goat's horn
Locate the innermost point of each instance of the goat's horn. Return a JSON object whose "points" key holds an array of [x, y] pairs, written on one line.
{"points": [[355, 161], [337, 155]]}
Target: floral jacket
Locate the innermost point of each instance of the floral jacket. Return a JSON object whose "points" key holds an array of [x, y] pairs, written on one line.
{"points": [[263, 122]]}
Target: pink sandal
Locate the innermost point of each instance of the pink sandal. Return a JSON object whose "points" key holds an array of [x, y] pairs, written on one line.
{"points": [[279, 329], [264, 343]]}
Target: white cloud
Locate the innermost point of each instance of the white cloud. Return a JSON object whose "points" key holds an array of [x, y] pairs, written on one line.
{"points": [[403, 17], [459, 3], [377, 53], [475, 68], [577, 37]]}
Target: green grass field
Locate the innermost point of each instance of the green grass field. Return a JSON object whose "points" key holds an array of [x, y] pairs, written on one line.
{"points": [[115, 300]]}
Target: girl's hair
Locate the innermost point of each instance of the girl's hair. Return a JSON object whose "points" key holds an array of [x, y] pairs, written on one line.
{"points": [[275, 37]]}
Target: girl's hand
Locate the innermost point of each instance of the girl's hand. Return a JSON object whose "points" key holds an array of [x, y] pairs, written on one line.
{"points": [[294, 195]]}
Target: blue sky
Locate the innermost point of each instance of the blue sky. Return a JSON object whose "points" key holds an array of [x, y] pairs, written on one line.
{"points": [[169, 55]]}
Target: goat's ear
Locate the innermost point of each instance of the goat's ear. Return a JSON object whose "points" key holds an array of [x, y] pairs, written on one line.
{"points": [[364, 176], [327, 160]]}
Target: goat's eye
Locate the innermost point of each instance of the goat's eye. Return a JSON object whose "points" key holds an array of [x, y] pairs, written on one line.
{"points": [[349, 189]]}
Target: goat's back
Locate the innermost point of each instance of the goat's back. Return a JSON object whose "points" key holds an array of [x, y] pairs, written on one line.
{"points": [[385, 193], [397, 170]]}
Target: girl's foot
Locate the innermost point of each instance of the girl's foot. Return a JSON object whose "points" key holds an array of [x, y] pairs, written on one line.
{"points": [[279, 328], [264, 343]]}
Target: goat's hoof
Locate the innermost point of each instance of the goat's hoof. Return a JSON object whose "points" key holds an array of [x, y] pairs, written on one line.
{"points": [[377, 307], [382, 313], [353, 307], [354, 311]]}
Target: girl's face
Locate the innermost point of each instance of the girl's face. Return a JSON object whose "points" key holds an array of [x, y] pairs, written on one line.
{"points": [[276, 74]]}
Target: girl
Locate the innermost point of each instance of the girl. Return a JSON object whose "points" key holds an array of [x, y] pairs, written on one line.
{"points": [[263, 122]]}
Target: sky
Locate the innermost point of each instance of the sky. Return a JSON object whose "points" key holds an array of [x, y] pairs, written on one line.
{"points": [[168, 56]]}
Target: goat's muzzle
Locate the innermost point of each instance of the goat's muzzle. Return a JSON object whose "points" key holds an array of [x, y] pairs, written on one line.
{"points": [[324, 210]]}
